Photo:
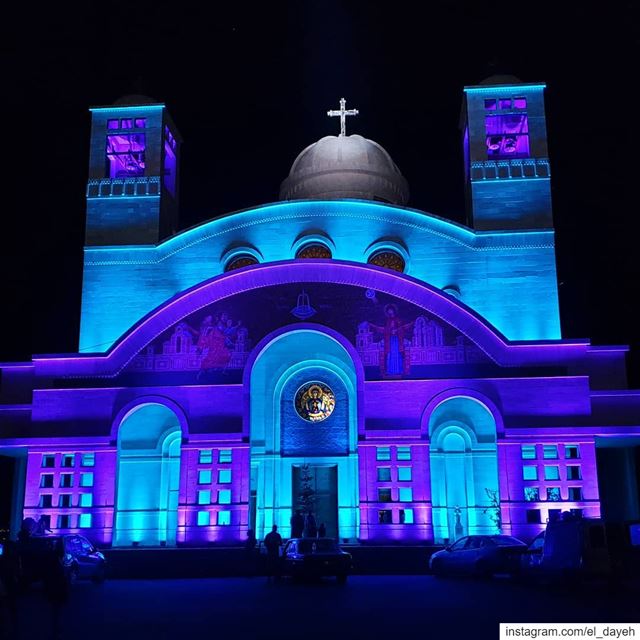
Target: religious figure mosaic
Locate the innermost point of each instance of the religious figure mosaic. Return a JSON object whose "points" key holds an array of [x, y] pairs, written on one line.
{"points": [[314, 401], [394, 339]]}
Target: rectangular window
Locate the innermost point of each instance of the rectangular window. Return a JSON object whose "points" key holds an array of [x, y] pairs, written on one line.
{"points": [[224, 496], [49, 461], [573, 472], [404, 474], [383, 453], [204, 476], [225, 455], [224, 518], [86, 479], [528, 451], [490, 105], [406, 516], [64, 500], [46, 501], [66, 480], [84, 520], [64, 522], [531, 494], [384, 474], [68, 460], [519, 103], [224, 476], [403, 453], [572, 452], [505, 103], [88, 459], [205, 456], [533, 516], [204, 518], [126, 123], [554, 515], [46, 480], [140, 123], [405, 494], [507, 136], [125, 154], [529, 472], [553, 494], [550, 451], [204, 497], [552, 473], [384, 516], [575, 494], [384, 495], [113, 124], [86, 500]]}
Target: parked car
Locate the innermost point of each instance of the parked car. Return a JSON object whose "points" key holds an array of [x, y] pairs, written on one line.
{"points": [[582, 548], [79, 558], [481, 556], [312, 557]]}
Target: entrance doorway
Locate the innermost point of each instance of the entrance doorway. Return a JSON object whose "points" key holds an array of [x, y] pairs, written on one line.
{"points": [[319, 482]]}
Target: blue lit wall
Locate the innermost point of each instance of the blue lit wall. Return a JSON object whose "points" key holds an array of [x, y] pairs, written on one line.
{"points": [[507, 277], [303, 438]]}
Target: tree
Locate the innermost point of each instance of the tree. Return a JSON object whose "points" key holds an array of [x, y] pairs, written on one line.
{"points": [[306, 491], [495, 514]]}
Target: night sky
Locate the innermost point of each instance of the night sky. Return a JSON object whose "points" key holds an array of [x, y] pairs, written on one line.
{"points": [[248, 86]]}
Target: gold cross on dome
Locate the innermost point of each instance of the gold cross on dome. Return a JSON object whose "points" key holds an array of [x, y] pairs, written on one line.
{"points": [[343, 113]]}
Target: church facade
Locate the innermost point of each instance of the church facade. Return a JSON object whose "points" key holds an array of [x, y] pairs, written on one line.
{"points": [[401, 376]]}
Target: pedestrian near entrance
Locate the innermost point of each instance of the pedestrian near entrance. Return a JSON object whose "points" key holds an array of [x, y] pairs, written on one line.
{"points": [[273, 542], [311, 528], [297, 524], [322, 530]]}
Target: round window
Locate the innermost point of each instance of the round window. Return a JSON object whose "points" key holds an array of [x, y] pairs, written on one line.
{"points": [[388, 259], [314, 250], [314, 401], [243, 260]]}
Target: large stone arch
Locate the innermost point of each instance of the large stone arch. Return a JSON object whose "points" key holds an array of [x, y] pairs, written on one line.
{"points": [[464, 466], [278, 366], [149, 438]]}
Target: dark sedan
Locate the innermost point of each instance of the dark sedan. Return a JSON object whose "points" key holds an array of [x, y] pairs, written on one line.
{"points": [[481, 556], [314, 557]]}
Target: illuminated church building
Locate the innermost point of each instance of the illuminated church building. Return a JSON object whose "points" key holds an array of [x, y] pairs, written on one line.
{"points": [[407, 372]]}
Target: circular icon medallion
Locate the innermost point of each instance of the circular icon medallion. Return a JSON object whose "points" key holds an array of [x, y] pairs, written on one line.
{"points": [[314, 401]]}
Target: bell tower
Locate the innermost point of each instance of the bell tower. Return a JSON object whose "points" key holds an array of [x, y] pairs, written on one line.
{"points": [[132, 191], [507, 174]]}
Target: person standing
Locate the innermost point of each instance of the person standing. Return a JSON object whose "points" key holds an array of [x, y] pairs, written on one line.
{"points": [[311, 526], [322, 530], [273, 542], [250, 552], [297, 524]]}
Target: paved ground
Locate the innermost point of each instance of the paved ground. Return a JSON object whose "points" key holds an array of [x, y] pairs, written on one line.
{"points": [[367, 607]]}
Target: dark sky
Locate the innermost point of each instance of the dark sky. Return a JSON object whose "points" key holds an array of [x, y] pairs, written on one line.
{"points": [[248, 86]]}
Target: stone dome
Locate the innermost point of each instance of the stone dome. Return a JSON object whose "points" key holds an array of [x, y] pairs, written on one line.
{"points": [[499, 78], [134, 100], [338, 167]]}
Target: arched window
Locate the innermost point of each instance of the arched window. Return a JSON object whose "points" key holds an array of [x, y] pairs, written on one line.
{"points": [[388, 259], [313, 250], [239, 261]]}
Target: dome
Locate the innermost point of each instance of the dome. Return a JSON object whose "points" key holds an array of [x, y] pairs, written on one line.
{"points": [[338, 167], [498, 79], [134, 99]]}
